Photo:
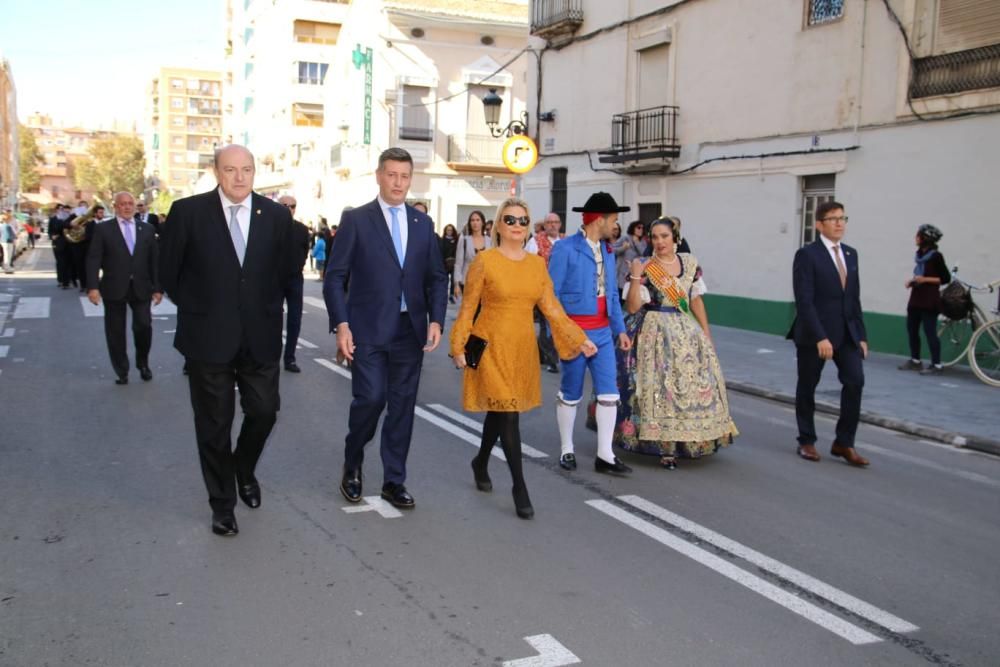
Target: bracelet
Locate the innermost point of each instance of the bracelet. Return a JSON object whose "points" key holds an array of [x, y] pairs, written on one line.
{"points": [[631, 277]]}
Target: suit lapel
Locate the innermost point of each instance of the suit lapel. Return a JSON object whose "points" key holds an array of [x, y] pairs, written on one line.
{"points": [[221, 223], [412, 225], [825, 260], [382, 229], [583, 247]]}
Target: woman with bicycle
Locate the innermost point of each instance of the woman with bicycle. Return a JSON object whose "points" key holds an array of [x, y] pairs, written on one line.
{"points": [[929, 274]]}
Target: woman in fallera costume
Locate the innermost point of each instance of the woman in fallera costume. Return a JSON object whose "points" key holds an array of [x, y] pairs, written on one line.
{"points": [[673, 395]]}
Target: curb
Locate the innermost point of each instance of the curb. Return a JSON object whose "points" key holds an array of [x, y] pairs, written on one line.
{"points": [[964, 440]]}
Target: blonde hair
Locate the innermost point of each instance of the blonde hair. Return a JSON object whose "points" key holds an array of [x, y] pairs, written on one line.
{"points": [[498, 220]]}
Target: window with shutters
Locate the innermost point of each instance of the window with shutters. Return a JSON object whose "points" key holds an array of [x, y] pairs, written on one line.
{"points": [[415, 116], [815, 190], [964, 49]]}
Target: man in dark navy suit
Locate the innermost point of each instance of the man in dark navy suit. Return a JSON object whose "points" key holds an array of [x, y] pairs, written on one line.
{"points": [[828, 325], [225, 257], [392, 311]]}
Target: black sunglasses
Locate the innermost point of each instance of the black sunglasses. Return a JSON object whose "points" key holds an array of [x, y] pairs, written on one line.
{"points": [[289, 205], [511, 220]]}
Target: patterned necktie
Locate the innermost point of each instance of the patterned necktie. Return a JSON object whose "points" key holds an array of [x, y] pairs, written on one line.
{"points": [[397, 242], [234, 230], [840, 266], [129, 237]]}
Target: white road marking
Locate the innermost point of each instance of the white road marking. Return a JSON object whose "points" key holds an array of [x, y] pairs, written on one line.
{"points": [[964, 474], [550, 654], [801, 579], [526, 449], [374, 504], [8, 333], [807, 610], [32, 307], [314, 302], [764, 350], [334, 366], [4, 349], [459, 433], [302, 342], [7, 298], [166, 307], [89, 309]]}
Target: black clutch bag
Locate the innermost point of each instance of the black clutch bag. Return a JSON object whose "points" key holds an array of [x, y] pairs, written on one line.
{"points": [[474, 348]]}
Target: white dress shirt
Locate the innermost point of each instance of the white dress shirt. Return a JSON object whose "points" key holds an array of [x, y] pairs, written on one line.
{"points": [[400, 216], [242, 215], [833, 257]]}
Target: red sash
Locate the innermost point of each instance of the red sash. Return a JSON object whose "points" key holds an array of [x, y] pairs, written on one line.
{"points": [[598, 321]]}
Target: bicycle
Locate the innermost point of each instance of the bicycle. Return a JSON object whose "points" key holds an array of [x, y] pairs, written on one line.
{"points": [[975, 336]]}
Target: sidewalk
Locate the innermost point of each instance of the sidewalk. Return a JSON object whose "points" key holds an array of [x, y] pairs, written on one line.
{"points": [[955, 408]]}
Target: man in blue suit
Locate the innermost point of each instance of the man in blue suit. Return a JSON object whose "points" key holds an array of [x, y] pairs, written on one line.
{"points": [[582, 267], [385, 281], [828, 325]]}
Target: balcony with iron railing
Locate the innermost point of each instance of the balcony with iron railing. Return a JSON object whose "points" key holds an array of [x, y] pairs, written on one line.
{"points": [[949, 73], [551, 18], [474, 151], [642, 136]]}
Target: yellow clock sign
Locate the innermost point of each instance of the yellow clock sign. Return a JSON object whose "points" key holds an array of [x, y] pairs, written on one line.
{"points": [[520, 154]]}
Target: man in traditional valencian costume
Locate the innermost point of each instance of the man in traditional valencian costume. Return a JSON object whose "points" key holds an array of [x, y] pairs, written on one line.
{"points": [[582, 267]]}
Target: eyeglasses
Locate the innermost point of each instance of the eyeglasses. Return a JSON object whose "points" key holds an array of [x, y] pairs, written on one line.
{"points": [[840, 218], [289, 205], [511, 220]]}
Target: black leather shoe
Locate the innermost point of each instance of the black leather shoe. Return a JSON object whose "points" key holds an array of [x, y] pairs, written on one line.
{"points": [[552, 368], [121, 379], [398, 496], [224, 524], [350, 485], [482, 477], [616, 468], [292, 367], [145, 373], [567, 462], [249, 494]]}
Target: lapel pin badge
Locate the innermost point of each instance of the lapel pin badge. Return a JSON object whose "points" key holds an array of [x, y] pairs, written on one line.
{"points": [[258, 211]]}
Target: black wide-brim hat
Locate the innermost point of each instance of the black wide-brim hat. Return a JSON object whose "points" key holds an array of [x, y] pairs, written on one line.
{"points": [[601, 202]]}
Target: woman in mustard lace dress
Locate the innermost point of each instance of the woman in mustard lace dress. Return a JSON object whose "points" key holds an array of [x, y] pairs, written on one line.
{"points": [[673, 395], [508, 283]]}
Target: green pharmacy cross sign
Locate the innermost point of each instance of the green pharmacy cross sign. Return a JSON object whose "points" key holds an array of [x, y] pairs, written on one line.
{"points": [[360, 58]]}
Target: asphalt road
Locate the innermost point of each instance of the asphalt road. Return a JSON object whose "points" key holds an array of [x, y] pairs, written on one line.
{"points": [[749, 557]]}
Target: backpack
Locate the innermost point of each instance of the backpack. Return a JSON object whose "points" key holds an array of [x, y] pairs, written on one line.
{"points": [[956, 301]]}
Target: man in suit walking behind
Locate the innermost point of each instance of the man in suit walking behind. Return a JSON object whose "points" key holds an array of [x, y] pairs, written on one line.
{"points": [[224, 261], [294, 289], [828, 325], [124, 252], [391, 255]]}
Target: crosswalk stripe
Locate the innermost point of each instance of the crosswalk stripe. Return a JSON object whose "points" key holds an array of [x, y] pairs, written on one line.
{"points": [[820, 617], [527, 450], [32, 308], [801, 579], [314, 302]]}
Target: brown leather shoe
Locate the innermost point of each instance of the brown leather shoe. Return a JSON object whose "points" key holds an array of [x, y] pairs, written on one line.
{"points": [[808, 452], [849, 455]]}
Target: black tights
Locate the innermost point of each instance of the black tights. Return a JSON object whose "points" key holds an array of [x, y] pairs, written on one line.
{"points": [[506, 427]]}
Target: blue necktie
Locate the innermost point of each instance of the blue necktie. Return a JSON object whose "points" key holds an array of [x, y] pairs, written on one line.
{"points": [[234, 231], [397, 242]]}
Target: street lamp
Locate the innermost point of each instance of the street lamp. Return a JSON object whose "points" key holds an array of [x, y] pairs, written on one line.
{"points": [[491, 110]]}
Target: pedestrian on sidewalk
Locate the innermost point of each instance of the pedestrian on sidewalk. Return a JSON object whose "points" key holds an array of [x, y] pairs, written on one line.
{"points": [[8, 236], [828, 325], [510, 283], [674, 402], [474, 240], [930, 273]]}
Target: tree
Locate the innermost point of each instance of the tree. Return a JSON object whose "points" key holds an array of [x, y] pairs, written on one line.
{"points": [[115, 164], [162, 202], [30, 157]]}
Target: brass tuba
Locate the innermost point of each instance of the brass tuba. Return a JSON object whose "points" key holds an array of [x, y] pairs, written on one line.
{"points": [[77, 230]]}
